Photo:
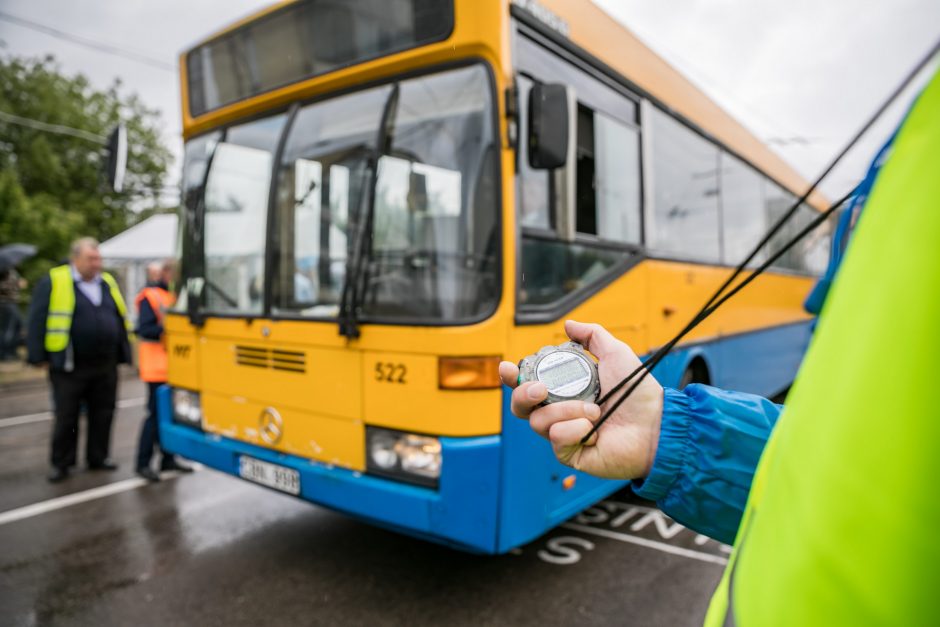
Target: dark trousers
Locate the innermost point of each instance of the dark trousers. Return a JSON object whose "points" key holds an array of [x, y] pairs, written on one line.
{"points": [[150, 430], [10, 324], [96, 386]]}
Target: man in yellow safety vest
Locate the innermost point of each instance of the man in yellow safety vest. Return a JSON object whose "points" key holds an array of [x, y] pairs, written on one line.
{"points": [[78, 329]]}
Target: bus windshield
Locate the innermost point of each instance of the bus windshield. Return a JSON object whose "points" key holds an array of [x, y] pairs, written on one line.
{"points": [[402, 191]]}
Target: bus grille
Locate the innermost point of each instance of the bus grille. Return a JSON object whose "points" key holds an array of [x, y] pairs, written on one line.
{"points": [[258, 357]]}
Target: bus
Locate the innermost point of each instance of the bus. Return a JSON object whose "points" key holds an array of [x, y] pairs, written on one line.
{"points": [[384, 198]]}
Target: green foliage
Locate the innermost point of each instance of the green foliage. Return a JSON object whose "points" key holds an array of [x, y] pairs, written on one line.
{"points": [[52, 187]]}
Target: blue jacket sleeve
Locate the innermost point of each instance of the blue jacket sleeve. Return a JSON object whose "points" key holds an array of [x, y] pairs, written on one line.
{"points": [[148, 327], [709, 444]]}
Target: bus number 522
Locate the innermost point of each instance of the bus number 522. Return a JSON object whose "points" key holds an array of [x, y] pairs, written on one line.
{"points": [[390, 373]]}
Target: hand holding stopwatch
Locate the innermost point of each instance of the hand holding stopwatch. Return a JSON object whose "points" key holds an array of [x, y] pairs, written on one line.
{"points": [[566, 370]]}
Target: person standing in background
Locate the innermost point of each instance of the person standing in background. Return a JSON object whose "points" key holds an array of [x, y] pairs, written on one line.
{"points": [[152, 303], [11, 323], [78, 328]]}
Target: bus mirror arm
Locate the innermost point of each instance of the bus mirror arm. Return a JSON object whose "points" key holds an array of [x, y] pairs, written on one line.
{"points": [[564, 195]]}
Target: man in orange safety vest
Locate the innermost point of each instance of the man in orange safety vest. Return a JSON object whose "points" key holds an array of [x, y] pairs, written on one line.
{"points": [[152, 304]]}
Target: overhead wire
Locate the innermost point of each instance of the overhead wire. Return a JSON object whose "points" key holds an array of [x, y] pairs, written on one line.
{"points": [[717, 298], [59, 129], [86, 135], [88, 42]]}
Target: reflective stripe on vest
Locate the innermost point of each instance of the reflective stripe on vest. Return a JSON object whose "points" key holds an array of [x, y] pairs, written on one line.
{"points": [[62, 307]]}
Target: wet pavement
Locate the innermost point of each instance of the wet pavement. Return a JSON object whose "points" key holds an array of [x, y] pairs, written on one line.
{"points": [[208, 549]]}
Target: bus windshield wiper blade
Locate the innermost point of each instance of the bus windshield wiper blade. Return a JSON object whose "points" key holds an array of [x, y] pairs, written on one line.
{"points": [[197, 259], [357, 264], [347, 320], [231, 302]]}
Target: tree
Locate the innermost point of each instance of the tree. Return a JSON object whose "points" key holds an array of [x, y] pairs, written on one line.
{"points": [[52, 186]]}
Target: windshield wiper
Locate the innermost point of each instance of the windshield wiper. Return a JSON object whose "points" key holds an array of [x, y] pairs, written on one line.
{"points": [[357, 263], [231, 302], [347, 320], [197, 266]]}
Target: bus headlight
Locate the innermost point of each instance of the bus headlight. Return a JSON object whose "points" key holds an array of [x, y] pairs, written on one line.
{"points": [[187, 409], [404, 456]]}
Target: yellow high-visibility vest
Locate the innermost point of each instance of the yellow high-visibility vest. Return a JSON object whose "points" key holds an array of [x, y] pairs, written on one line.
{"points": [[62, 307], [842, 518]]}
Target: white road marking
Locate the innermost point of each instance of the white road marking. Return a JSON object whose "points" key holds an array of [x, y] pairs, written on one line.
{"points": [[650, 544], [131, 402], [563, 554], [47, 415], [25, 420], [43, 507]]}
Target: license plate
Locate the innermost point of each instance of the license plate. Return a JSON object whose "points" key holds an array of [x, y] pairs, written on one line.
{"points": [[271, 475]]}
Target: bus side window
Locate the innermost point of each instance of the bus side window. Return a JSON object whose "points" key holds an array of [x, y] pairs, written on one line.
{"points": [[743, 217], [586, 205], [808, 255], [608, 178], [608, 192], [607, 211], [684, 222]]}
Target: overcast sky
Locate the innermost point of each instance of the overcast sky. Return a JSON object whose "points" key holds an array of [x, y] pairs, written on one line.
{"points": [[802, 74]]}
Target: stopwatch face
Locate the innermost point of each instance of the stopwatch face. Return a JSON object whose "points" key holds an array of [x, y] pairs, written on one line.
{"points": [[564, 373]]}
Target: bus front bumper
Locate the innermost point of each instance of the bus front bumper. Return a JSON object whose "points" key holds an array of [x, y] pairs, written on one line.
{"points": [[461, 512]]}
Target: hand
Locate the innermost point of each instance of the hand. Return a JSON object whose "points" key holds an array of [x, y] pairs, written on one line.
{"points": [[625, 445]]}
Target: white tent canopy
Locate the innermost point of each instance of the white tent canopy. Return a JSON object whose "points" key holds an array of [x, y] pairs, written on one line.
{"points": [[128, 253], [154, 238]]}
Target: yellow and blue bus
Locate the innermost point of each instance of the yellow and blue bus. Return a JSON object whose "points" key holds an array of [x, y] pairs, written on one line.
{"points": [[383, 198]]}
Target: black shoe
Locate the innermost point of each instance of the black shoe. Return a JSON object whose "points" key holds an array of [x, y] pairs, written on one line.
{"points": [[171, 463], [57, 475], [148, 473], [106, 464]]}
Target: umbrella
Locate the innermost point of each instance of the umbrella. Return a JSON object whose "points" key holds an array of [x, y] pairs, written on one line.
{"points": [[12, 255]]}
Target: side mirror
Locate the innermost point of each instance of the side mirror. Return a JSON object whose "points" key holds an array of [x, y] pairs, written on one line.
{"points": [[417, 192], [553, 143], [549, 129], [117, 158]]}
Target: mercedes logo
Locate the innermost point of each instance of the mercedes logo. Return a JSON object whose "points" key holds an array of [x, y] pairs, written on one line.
{"points": [[271, 426]]}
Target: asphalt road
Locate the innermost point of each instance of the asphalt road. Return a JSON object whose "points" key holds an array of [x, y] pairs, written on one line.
{"points": [[208, 549]]}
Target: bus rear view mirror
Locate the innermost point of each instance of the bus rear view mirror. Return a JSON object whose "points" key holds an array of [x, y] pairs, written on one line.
{"points": [[553, 132], [549, 125], [116, 163]]}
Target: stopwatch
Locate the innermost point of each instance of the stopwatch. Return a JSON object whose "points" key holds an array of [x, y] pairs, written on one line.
{"points": [[567, 371]]}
